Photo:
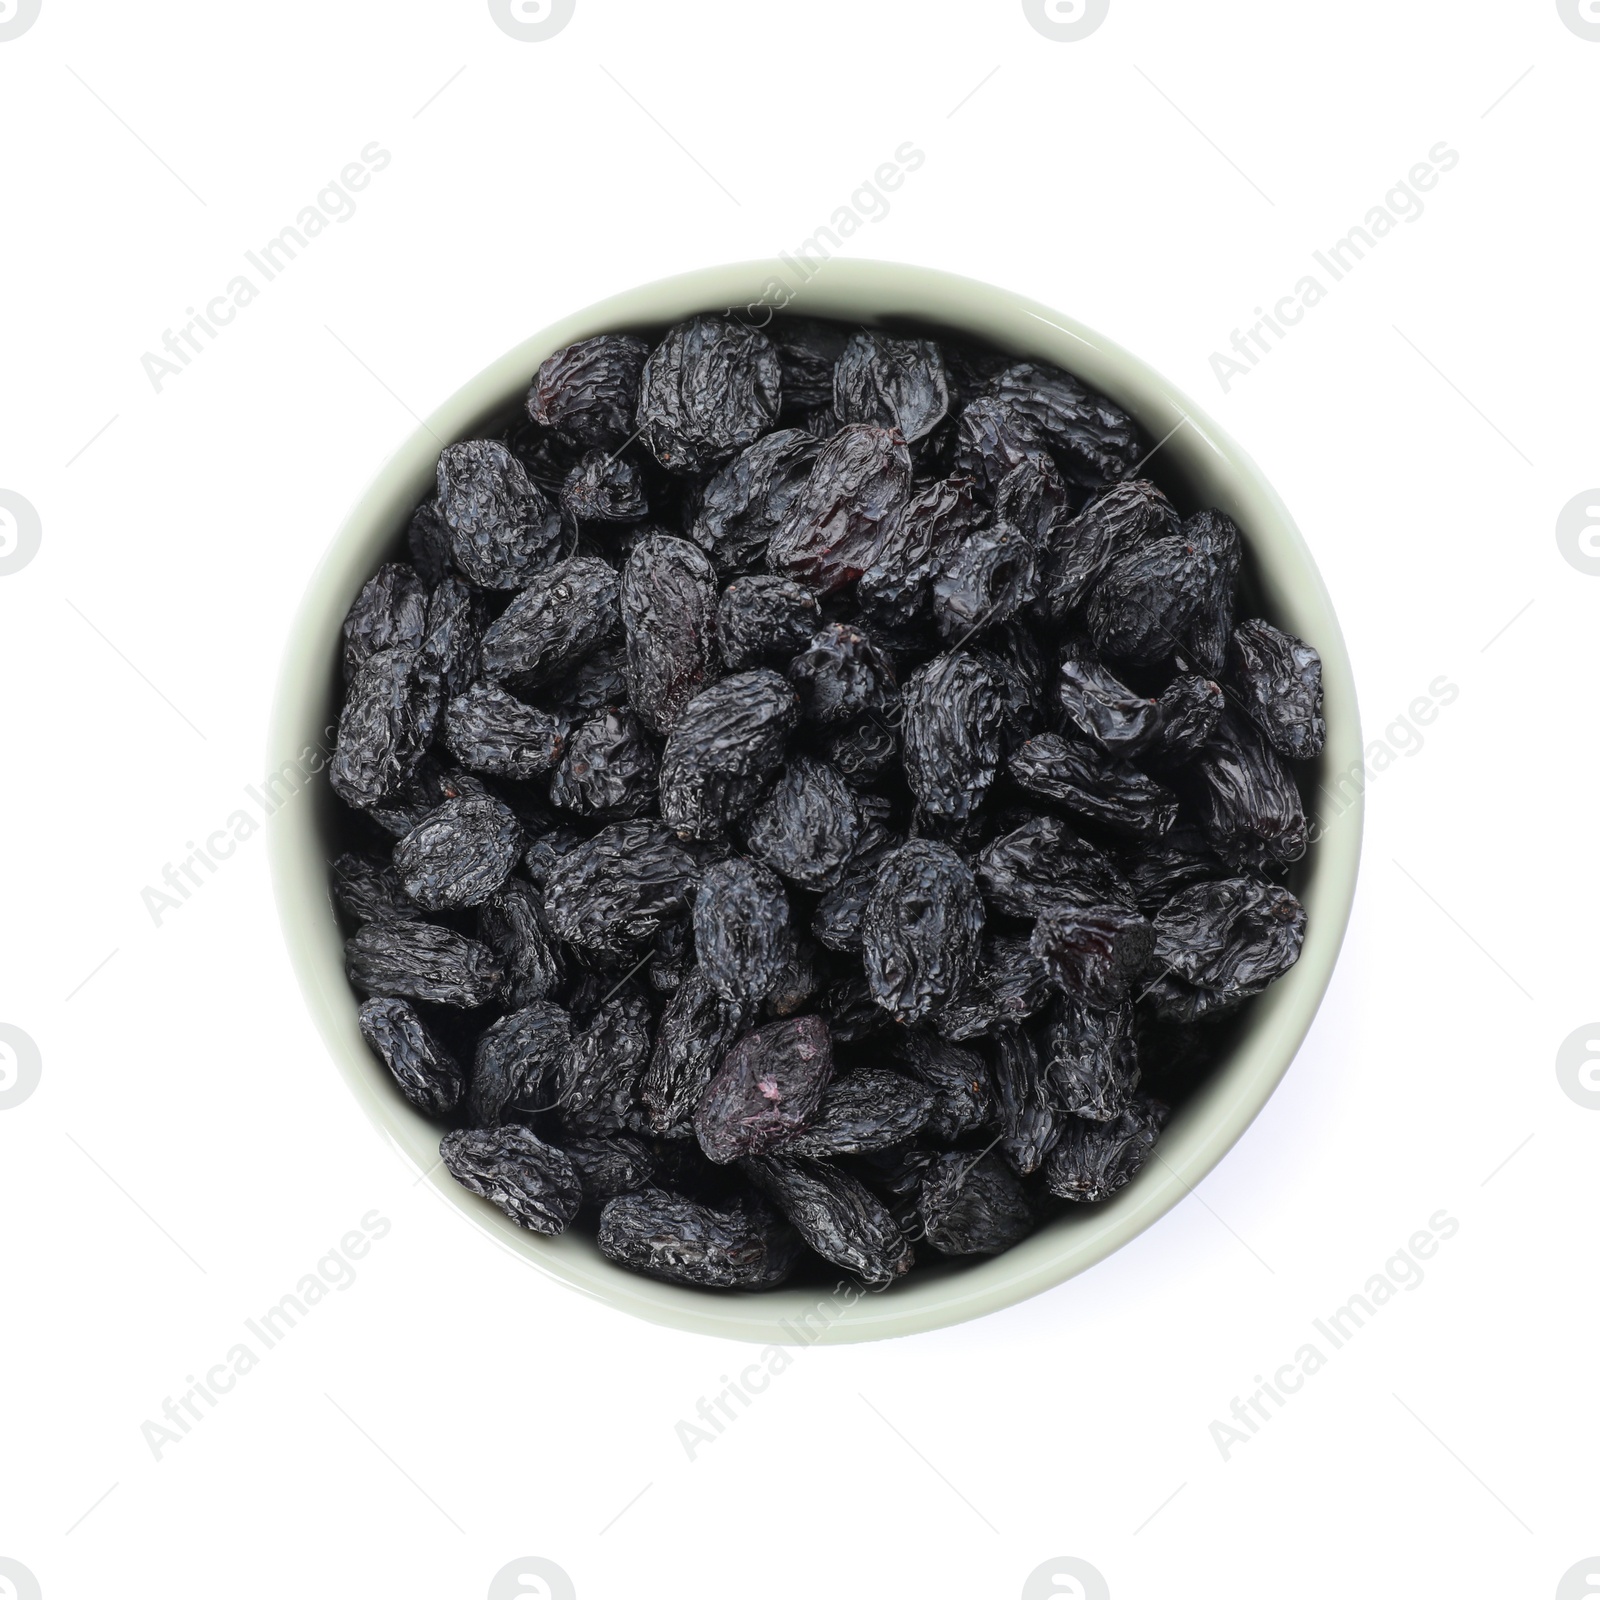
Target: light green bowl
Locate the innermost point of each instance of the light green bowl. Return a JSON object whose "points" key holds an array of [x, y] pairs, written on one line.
{"points": [[1198, 461]]}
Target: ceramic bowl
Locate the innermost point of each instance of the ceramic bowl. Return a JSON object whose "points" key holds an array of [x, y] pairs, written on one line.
{"points": [[1198, 464]]}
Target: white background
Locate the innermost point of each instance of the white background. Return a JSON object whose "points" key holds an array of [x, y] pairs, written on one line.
{"points": [[190, 1153]]}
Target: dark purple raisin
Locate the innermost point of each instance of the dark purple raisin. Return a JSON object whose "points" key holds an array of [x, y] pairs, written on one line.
{"points": [[764, 621], [418, 961], [892, 383], [533, 1183], [1095, 954], [972, 1206], [460, 854], [741, 1246], [808, 825], [1279, 679], [489, 730], [427, 1074], [767, 1089], [588, 392], [921, 928], [608, 768], [503, 528], [709, 389], [669, 609], [742, 933], [848, 509], [735, 514]]}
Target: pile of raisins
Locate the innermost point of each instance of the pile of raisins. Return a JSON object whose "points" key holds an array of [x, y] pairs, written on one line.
{"points": [[811, 797]]}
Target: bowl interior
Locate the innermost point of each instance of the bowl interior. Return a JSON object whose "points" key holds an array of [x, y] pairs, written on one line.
{"points": [[1196, 463]]}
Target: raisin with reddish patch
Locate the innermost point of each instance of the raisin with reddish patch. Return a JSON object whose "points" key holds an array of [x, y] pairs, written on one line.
{"points": [[1095, 954], [589, 391], [735, 514], [767, 1089], [845, 514]]}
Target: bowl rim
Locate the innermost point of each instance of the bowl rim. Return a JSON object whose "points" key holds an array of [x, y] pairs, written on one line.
{"points": [[1214, 470]]}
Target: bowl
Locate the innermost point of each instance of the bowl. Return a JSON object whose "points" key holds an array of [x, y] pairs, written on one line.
{"points": [[1197, 462]]}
